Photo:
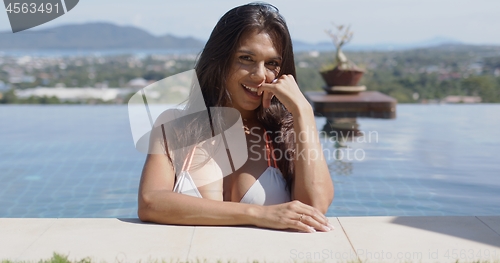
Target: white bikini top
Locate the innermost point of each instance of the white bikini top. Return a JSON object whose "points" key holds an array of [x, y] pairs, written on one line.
{"points": [[268, 189]]}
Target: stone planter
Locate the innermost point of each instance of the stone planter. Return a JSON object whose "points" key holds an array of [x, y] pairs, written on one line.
{"points": [[342, 77]]}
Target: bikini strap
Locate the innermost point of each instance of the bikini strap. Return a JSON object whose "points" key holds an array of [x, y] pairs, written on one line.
{"points": [[188, 160], [270, 150]]}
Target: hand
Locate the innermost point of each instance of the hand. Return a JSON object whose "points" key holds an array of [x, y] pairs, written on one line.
{"points": [[286, 90], [294, 215]]}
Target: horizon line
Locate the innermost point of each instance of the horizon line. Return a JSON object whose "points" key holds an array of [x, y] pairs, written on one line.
{"points": [[426, 41]]}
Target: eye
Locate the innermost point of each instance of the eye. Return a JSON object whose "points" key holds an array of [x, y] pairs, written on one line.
{"points": [[245, 58], [274, 64]]}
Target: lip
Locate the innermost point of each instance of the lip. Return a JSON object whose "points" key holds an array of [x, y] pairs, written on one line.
{"points": [[252, 95]]}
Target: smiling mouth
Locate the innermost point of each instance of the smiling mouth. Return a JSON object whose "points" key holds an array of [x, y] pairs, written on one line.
{"points": [[252, 92], [249, 88]]}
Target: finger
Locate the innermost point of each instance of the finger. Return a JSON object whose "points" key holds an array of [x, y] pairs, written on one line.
{"points": [[318, 216], [268, 85], [267, 94], [314, 217], [310, 221], [302, 227], [322, 219], [265, 87], [266, 99]]}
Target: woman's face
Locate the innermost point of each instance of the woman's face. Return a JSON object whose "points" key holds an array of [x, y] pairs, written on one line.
{"points": [[255, 61]]}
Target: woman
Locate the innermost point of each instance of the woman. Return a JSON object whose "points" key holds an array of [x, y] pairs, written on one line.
{"points": [[247, 64]]}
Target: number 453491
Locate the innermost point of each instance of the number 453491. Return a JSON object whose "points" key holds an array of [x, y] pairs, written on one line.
{"points": [[32, 8]]}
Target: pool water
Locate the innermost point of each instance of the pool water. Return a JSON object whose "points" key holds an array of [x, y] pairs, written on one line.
{"points": [[431, 160], [80, 161]]}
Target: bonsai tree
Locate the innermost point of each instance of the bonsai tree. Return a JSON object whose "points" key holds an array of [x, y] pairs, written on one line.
{"points": [[343, 73], [339, 38]]}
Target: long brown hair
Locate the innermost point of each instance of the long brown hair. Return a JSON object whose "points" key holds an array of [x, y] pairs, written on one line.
{"points": [[214, 63]]}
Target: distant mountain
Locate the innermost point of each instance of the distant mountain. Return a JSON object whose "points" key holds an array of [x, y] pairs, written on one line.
{"points": [[94, 36], [328, 46], [109, 36]]}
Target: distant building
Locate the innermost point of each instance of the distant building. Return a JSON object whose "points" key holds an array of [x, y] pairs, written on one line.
{"points": [[21, 79], [476, 68], [3, 86], [73, 94], [462, 99], [138, 83], [496, 72]]}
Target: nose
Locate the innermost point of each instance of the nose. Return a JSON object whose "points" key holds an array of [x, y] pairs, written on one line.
{"points": [[258, 73]]}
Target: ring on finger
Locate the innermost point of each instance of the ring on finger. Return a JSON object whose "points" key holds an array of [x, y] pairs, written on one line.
{"points": [[300, 218]]}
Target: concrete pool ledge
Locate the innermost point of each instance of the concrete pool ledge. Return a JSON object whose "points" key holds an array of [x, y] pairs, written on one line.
{"points": [[370, 239]]}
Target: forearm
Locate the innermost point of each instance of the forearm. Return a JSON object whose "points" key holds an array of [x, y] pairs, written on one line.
{"points": [[312, 182], [167, 207]]}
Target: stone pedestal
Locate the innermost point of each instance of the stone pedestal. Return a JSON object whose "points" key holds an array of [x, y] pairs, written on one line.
{"points": [[341, 110], [344, 89]]}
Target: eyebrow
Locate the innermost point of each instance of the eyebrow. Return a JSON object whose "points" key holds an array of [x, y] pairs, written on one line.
{"points": [[253, 54]]}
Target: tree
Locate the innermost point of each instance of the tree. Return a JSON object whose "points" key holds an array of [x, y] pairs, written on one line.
{"points": [[9, 97]]}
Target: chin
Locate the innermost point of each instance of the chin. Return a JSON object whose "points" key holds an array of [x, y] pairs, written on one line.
{"points": [[249, 107]]}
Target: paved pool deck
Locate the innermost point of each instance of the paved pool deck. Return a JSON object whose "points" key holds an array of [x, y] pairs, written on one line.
{"points": [[369, 239]]}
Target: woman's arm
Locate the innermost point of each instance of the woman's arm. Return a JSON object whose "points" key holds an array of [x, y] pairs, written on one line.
{"points": [[312, 183], [159, 204]]}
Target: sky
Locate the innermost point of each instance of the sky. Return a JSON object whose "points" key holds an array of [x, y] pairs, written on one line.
{"points": [[372, 21]]}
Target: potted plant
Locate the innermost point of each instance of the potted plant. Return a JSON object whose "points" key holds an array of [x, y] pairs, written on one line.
{"points": [[344, 75]]}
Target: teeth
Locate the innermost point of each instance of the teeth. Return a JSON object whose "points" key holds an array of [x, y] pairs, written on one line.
{"points": [[250, 89]]}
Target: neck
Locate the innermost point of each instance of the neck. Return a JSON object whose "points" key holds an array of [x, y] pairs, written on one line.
{"points": [[249, 116]]}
